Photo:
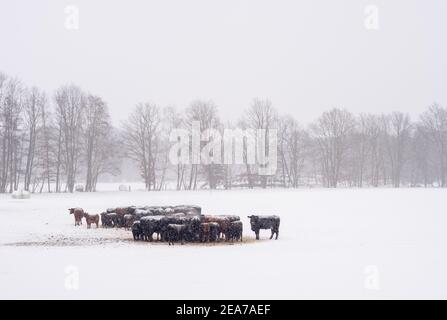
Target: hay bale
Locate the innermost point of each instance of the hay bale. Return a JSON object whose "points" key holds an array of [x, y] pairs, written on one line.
{"points": [[21, 194], [123, 187]]}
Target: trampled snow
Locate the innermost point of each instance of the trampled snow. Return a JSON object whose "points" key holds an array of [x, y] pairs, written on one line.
{"points": [[367, 243]]}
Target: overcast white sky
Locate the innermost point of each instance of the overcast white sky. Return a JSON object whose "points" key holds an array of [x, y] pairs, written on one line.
{"points": [[306, 56]]}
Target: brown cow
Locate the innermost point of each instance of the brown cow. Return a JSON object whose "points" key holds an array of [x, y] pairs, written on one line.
{"points": [[222, 221], [78, 214], [91, 218], [205, 232], [128, 221], [120, 213], [209, 231]]}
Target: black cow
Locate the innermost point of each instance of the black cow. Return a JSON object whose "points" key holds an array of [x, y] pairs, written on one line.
{"points": [[191, 222], [149, 226], [105, 221], [192, 232], [214, 231], [136, 231], [131, 209], [265, 222], [128, 221], [235, 231], [176, 232], [209, 231], [108, 219], [113, 218], [170, 219]]}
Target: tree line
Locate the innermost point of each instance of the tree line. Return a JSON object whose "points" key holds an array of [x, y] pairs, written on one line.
{"points": [[53, 143]]}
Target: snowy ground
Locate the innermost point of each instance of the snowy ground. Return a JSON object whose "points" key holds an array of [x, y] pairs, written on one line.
{"points": [[371, 243]]}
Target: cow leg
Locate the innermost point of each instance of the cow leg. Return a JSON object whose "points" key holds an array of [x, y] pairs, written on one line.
{"points": [[277, 233], [273, 232], [257, 234]]}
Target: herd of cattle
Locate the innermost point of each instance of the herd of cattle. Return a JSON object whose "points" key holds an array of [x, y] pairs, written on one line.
{"points": [[176, 223]]}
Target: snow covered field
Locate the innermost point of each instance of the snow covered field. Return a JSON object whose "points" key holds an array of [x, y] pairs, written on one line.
{"points": [[370, 243]]}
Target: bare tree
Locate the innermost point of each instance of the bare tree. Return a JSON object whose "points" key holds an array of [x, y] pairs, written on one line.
{"points": [[46, 147], [397, 127], [293, 148], [421, 158], [172, 119], [33, 107], [140, 136], [260, 115], [331, 132], [100, 142], [11, 99], [40, 147], [434, 127], [70, 104], [205, 113]]}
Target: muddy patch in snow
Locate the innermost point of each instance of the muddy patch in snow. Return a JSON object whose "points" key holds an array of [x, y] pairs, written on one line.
{"points": [[68, 241]]}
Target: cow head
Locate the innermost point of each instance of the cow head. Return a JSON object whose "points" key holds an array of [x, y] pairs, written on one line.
{"points": [[194, 225], [71, 210], [253, 221]]}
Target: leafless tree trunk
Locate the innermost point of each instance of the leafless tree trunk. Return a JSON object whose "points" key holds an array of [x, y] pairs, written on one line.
{"points": [[11, 100], [398, 129], [293, 149], [331, 132], [33, 115], [140, 135], [46, 147], [434, 126], [204, 112], [101, 151], [261, 115], [70, 104]]}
